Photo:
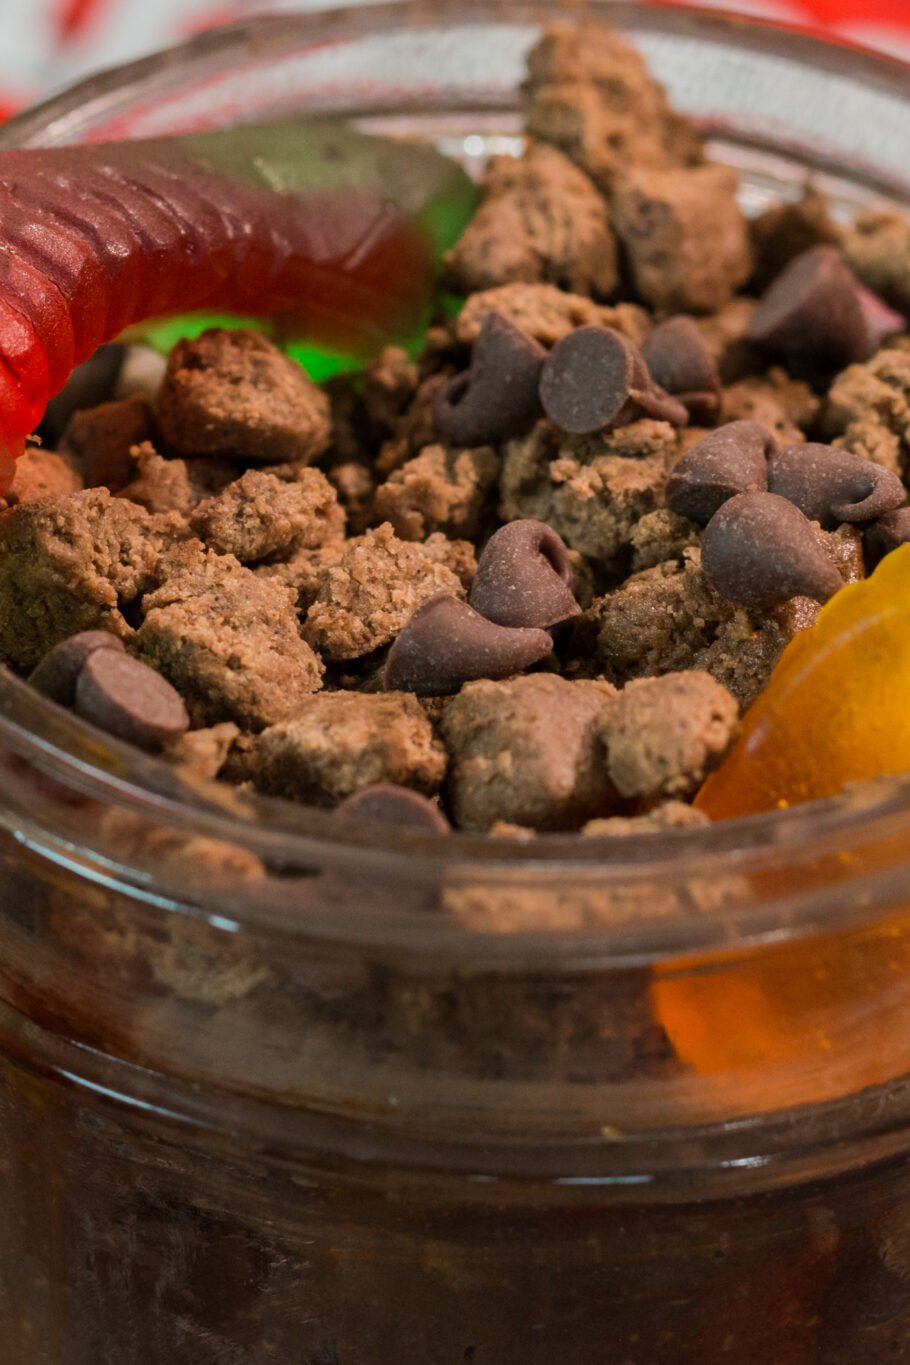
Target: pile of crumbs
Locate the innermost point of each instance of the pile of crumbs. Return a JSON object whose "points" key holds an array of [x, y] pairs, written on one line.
{"points": [[530, 580]]}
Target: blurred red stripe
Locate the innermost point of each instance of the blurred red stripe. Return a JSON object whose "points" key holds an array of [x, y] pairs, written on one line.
{"points": [[74, 16]]}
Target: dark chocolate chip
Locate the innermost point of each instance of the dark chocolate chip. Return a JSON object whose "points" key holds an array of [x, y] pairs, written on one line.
{"points": [[886, 534], [498, 397], [595, 378], [392, 805], [881, 321], [679, 361], [57, 672], [130, 700], [733, 459], [832, 486], [759, 550], [812, 315], [524, 577], [446, 643]]}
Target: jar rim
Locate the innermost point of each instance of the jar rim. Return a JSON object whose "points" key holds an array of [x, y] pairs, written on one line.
{"points": [[68, 751]]}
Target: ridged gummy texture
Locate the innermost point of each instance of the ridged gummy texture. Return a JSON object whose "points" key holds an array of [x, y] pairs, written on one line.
{"points": [[330, 233]]}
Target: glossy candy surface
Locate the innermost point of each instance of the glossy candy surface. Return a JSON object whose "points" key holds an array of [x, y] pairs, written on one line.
{"points": [[330, 234], [836, 708]]}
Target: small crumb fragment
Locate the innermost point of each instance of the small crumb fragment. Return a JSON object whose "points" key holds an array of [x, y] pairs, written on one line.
{"points": [[546, 313], [786, 407], [542, 219], [784, 231], [204, 752], [74, 562], [439, 490], [228, 640], [101, 439], [664, 735], [877, 248], [43, 473], [338, 742], [527, 751], [668, 815], [592, 490], [685, 235], [590, 93], [389, 386], [661, 536], [657, 621], [261, 516], [234, 393], [868, 410], [362, 600]]}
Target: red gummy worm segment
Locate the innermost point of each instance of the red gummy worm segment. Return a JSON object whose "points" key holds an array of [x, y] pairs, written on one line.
{"points": [[93, 239]]}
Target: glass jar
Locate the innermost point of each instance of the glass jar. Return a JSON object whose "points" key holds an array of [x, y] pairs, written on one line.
{"points": [[282, 1089]]}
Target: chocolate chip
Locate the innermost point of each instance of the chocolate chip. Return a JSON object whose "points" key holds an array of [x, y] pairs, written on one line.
{"points": [[446, 643], [498, 397], [130, 700], [832, 486], [881, 321], [886, 534], [812, 315], [733, 459], [57, 672], [759, 550], [389, 804], [524, 577], [595, 378], [679, 361]]}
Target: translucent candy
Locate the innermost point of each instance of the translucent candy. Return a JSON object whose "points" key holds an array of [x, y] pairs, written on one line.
{"points": [[331, 235], [836, 708]]}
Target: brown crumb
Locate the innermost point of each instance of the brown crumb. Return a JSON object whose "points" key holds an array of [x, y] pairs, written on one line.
{"points": [[868, 410], [74, 562], [685, 236], [546, 313], [101, 439], [234, 393], [877, 248], [389, 386], [660, 536], [527, 751], [784, 231], [363, 599], [541, 220], [261, 516], [228, 640], [204, 752], [786, 407], [439, 490], [590, 93], [338, 742], [43, 473], [664, 735], [668, 815], [593, 491]]}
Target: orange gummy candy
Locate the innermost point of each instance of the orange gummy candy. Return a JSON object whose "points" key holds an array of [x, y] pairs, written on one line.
{"points": [[836, 708]]}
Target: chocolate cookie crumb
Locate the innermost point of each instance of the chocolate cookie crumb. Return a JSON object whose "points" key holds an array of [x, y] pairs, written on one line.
{"points": [[527, 751], [668, 815], [43, 473], [685, 236], [259, 516], [664, 735], [439, 490], [546, 313], [228, 639], [233, 393], [74, 562], [101, 439], [541, 220], [362, 601], [339, 742]]}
